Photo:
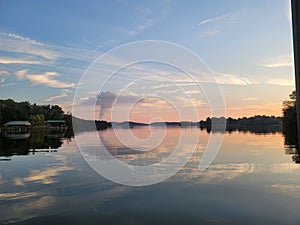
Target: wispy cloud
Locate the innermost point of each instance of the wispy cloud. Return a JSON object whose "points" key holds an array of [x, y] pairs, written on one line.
{"points": [[142, 26], [7, 85], [46, 78], [214, 19], [279, 61], [5, 60], [147, 18], [215, 25], [209, 33], [281, 82], [193, 92], [30, 51], [22, 45], [249, 99], [16, 36], [278, 64], [63, 93], [21, 74], [224, 78], [3, 72]]}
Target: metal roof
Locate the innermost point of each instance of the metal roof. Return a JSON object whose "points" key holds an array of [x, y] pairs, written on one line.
{"points": [[55, 121], [18, 123]]}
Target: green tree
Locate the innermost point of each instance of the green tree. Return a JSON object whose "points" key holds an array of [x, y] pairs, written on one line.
{"points": [[56, 113], [38, 119], [8, 114], [36, 114]]}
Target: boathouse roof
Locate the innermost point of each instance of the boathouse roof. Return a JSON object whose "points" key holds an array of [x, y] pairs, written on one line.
{"points": [[55, 121], [18, 123]]}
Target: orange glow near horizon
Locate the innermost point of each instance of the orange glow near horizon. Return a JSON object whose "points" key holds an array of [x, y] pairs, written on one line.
{"points": [[163, 111]]}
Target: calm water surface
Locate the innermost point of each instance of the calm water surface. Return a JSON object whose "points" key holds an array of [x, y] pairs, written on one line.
{"points": [[45, 180]]}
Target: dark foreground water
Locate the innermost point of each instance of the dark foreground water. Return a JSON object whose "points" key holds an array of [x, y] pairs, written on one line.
{"points": [[254, 180]]}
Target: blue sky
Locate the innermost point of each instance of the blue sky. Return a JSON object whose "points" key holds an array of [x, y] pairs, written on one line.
{"points": [[45, 46]]}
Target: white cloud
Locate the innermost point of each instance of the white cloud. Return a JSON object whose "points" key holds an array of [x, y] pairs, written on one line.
{"points": [[30, 51], [278, 64], [214, 19], [85, 98], [3, 72], [22, 45], [64, 93], [281, 82], [224, 78], [279, 61], [16, 36], [192, 92], [249, 99], [46, 78], [18, 61], [21, 74]]}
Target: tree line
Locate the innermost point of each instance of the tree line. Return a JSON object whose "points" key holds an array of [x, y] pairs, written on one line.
{"points": [[289, 129], [36, 114], [255, 124], [290, 114]]}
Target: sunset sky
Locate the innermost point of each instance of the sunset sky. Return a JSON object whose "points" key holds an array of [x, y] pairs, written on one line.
{"points": [[46, 46]]}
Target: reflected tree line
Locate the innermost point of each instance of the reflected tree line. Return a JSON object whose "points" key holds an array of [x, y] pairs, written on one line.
{"points": [[289, 127], [31, 142], [255, 124]]}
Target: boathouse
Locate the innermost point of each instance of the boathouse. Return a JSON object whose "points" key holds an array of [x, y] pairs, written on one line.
{"points": [[17, 126], [56, 123]]}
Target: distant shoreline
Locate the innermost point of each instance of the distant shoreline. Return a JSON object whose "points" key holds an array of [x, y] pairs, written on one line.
{"points": [[256, 124]]}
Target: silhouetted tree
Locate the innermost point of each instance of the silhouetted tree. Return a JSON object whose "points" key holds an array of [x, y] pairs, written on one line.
{"points": [[290, 127], [290, 114]]}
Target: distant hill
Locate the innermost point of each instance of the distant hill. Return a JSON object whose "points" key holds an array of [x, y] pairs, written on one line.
{"points": [[176, 124], [128, 124], [89, 125]]}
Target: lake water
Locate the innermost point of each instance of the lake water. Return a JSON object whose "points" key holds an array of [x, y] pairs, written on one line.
{"points": [[254, 180]]}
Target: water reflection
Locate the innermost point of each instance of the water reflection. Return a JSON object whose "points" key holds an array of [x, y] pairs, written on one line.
{"points": [[255, 129], [291, 145], [30, 142], [251, 173], [139, 152]]}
